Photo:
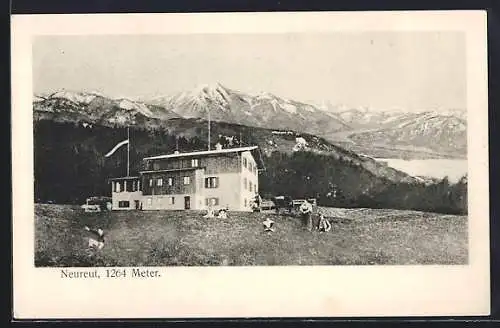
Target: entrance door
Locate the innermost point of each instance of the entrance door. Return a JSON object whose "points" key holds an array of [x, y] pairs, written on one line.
{"points": [[137, 204], [187, 202]]}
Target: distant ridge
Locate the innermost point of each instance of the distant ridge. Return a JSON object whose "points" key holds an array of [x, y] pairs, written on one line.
{"points": [[393, 133]]}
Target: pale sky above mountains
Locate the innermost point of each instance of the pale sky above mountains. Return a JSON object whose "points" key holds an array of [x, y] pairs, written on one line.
{"points": [[387, 71]]}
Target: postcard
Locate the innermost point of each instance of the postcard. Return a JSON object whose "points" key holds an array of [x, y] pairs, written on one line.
{"points": [[313, 164]]}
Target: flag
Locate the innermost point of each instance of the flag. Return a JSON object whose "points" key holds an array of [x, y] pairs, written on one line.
{"points": [[112, 151]]}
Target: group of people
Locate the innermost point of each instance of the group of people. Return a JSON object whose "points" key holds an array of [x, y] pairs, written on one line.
{"points": [[212, 213], [306, 210]]}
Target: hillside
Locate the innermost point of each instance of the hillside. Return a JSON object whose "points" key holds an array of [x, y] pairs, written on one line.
{"points": [[183, 238], [70, 166]]}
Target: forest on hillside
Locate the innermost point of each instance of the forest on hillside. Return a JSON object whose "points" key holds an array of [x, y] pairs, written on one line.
{"points": [[70, 166], [342, 183]]}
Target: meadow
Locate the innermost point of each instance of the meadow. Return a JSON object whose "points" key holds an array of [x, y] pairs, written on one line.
{"points": [[184, 238]]}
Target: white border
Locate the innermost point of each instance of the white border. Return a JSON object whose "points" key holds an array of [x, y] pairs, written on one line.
{"points": [[238, 292]]}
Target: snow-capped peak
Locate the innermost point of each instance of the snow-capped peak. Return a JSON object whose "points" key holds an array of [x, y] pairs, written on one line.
{"points": [[132, 105], [202, 95], [74, 96]]}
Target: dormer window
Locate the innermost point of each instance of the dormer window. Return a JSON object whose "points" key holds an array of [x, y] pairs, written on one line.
{"points": [[194, 162]]}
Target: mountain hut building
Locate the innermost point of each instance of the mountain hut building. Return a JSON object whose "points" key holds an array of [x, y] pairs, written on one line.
{"points": [[226, 178]]}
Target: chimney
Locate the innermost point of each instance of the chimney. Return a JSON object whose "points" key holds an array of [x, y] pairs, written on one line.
{"points": [[218, 146]]}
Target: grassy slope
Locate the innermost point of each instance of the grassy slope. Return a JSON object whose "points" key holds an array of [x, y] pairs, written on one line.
{"points": [[162, 238]]}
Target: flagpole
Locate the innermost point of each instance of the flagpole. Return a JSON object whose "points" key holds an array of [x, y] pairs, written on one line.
{"points": [[128, 152], [209, 129]]}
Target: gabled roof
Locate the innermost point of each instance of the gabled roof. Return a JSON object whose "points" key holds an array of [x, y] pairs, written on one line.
{"points": [[124, 178], [204, 153], [172, 170], [253, 149]]}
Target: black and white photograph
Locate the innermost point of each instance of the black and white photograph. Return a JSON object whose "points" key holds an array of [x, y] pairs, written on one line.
{"points": [[330, 148], [291, 149]]}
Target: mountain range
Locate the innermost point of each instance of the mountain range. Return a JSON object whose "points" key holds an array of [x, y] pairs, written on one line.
{"points": [[263, 110], [433, 134], [422, 134]]}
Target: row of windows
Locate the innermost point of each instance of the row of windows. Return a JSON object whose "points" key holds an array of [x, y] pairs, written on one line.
{"points": [[249, 165], [169, 181], [194, 163], [213, 201], [130, 186], [247, 184], [211, 182], [171, 200]]}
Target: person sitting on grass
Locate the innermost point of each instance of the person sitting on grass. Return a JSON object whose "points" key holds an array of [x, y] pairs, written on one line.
{"points": [[268, 225], [222, 213], [95, 238], [324, 225]]}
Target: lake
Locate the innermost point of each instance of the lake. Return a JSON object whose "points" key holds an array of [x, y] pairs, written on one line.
{"points": [[434, 168]]}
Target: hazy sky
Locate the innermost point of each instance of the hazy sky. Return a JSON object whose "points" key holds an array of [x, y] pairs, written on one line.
{"points": [[390, 70]]}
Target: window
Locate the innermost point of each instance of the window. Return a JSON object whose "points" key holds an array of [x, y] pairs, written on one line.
{"points": [[245, 202], [250, 166], [245, 183], [245, 162], [171, 200], [194, 162], [124, 203], [129, 185], [212, 182], [156, 166], [159, 182], [150, 201], [249, 185], [150, 182], [187, 180], [212, 201], [170, 181]]}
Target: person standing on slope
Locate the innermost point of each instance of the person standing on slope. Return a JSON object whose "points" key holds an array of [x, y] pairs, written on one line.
{"points": [[306, 212]]}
